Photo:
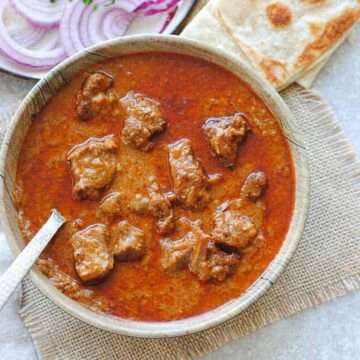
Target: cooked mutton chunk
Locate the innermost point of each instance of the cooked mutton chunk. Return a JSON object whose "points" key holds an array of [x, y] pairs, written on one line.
{"points": [[212, 264], [128, 243], [232, 228], [207, 262], [156, 205], [143, 120], [224, 134], [93, 259], [254, 186], [237, 222], [189, 179], [112, 204], [197, 251], [93, 165], [71, 287], [96, 97], [176, 253]]}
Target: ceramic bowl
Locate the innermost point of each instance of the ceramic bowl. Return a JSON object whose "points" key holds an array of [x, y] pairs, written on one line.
{"points": [[53, 81]]}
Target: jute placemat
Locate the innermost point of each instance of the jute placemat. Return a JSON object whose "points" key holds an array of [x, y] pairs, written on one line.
{"points": [[326, 265]]}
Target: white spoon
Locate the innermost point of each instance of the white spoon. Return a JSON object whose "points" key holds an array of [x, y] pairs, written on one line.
{"points": [[23, 263]]}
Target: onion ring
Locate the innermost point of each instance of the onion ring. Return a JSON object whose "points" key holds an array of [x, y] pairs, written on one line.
{"points": [[152, 7], [42, 13], [28, 41], [33, 58], [82, 26]]}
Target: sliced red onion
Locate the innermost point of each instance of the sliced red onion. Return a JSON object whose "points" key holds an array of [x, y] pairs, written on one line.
{"points": [[154, 24], [69, 27], [34, 58], [49, 41], [39, 44], [43, 13], [85, 36], [24, 33], [129, 5], [82, 26], [113, 22], [26, 39], [170, 14], [116, 23], [152, 7]]}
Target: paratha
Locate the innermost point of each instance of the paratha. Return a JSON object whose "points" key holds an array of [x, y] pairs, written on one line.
{"points": [[205, 27], [283, 38]]}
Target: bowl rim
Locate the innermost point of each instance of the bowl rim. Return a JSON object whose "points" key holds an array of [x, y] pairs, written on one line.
{"points": [[212, 318]]}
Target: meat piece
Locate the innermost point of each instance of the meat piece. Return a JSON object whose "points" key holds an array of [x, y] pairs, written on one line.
{"points": [[93, 165], [70, 287], [128, 242], [254, 186], [189, 180], [237, 222], [141, 204], [93, 260], [224, 134], [96, 98], [197, 251], [158, 206], [198, 263], [232, 228], [112, 204], [220, 264], [207, 262], [176, 253], [144, 120]]}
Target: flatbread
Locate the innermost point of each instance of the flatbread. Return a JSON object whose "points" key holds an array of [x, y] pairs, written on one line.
{"points": [[308, 78], [205, 27], [285, 38]]}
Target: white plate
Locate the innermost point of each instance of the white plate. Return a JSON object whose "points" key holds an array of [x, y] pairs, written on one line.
{"points": [[139, 26]]}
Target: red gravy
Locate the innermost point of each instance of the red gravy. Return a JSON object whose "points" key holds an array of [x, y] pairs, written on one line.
{"points": [[189, 91]]}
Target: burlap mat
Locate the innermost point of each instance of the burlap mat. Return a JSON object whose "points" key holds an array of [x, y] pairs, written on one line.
{"points": [[326, 265]]}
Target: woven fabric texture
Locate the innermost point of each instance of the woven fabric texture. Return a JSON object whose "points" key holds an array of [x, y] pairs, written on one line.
{"points": [[326, 265]]}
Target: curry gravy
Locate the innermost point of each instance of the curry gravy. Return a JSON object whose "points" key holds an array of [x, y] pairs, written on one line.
{"points": [[189, 91]]}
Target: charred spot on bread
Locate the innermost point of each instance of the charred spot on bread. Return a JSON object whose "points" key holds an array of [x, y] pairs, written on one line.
{"points": [[279, 14]]}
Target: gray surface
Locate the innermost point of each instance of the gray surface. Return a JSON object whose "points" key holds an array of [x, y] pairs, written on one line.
{"points": [[339, 84], [327, 332]]}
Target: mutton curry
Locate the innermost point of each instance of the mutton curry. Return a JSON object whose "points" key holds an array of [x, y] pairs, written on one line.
{"points": [[176, 180]]}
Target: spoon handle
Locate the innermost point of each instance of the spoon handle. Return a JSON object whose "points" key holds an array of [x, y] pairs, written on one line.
{"points": [[22, 264]]}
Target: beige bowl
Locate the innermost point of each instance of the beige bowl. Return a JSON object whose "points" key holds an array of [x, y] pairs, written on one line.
{"points": [[128, 45]]}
